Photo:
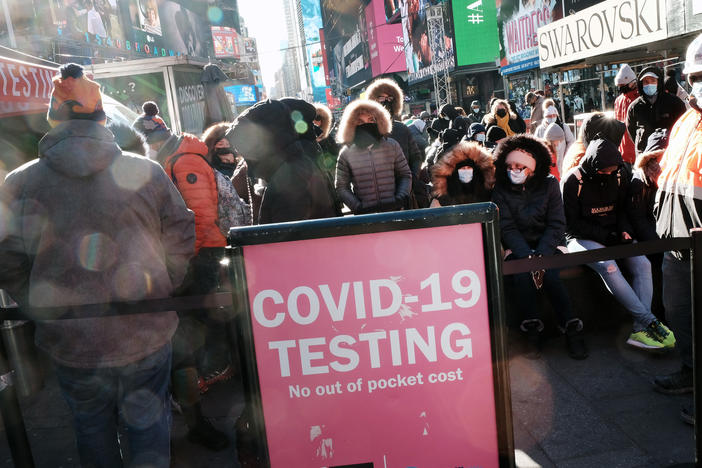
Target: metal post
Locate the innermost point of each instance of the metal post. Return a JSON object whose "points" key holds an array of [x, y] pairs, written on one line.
{"points": [[696, 278], [12, 416], [439, 59]]}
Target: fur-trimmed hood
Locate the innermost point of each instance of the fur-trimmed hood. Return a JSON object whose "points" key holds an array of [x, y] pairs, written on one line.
{"points": [[347, 126], [325, 118], [389, 87], [529, 144], [464, 151]]}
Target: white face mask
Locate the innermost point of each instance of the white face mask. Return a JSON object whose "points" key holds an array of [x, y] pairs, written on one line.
{"points": [[480, 137], [550, 120], [465, 174], [517, 177], [696, 91], [476, 109]]}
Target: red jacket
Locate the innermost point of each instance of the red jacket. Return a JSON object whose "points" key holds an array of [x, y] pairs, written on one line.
{"points": [[621, 106], [194, 178]]}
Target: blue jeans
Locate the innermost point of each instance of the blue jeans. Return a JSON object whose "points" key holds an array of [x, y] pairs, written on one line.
{"points": [[635, 297], [677, 300], [136, 395]]}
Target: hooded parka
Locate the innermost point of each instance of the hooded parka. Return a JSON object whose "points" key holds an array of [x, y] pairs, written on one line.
{"points": [[379, 172], [531, 214], [646, 114], [447, 187], [296, 188], [595, 204]]}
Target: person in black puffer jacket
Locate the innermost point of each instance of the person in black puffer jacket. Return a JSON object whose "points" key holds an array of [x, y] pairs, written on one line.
{"points": [[654, 108], [447, 114], [594, 196], [308, 140], [532, 224], [296, 188]]}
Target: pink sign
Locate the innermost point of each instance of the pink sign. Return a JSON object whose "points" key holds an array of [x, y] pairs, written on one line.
{"points": [[375, 348], [385, 41]]}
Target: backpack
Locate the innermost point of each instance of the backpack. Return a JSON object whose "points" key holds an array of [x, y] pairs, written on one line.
{"points": [[232, 211]]}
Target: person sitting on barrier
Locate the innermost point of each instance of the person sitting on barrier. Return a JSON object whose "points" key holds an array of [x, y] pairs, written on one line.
{"points": [[532, 224], [371, 161], [87, 223], [594, 197], [465, 174], [678, 210]]}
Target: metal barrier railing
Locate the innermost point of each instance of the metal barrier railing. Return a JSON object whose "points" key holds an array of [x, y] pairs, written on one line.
{"points": [[9, 403]]}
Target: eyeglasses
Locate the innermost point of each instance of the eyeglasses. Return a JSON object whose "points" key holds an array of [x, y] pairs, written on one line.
{"points": [[385, 99]]}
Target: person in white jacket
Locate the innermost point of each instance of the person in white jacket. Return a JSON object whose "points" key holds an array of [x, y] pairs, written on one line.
{"points": [[551, 116]]}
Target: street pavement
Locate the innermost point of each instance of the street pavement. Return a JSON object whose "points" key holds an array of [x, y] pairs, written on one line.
{"points": [[599, 412]]}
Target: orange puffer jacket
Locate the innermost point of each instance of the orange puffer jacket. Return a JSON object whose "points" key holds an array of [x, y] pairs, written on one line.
{"points": [[195, 180]]}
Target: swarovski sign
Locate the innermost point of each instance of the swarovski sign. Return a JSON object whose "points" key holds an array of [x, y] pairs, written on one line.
{"points": [[609, 26]]}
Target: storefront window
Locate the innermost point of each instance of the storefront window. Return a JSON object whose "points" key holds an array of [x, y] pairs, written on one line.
{"points": [[519, 86]]}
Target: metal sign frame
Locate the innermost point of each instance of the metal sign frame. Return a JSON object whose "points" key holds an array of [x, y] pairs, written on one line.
{"points": [[253, 424]]}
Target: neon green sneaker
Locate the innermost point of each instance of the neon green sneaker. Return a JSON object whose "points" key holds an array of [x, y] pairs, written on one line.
{"points": [[645, 339], [663, 333]]}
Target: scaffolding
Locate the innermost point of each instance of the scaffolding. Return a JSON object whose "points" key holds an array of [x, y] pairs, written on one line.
{"points": [[439, 59]]}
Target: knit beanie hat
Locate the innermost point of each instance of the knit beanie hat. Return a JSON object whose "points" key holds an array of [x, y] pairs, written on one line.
{"points": [[74, 97], [494, 134], [151, 125]]}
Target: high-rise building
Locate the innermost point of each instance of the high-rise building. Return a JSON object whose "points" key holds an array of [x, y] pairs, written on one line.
{"points": [[294, 53]]}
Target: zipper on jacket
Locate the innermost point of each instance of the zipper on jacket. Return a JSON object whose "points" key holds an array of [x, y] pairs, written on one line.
{"points": [[375, 176]]}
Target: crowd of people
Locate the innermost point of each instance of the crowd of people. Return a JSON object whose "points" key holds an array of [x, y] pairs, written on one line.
{"points": [[109, 213]]}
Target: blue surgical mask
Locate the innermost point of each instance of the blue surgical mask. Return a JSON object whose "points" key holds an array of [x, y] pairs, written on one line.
{"points": [[517, 177], [650, 89]]}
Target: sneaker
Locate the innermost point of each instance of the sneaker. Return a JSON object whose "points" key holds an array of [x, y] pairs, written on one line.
{"points": [[687, 413], [663, 333], [676, 383], [574, 339], [533, 328], [219, 376], [645, 339]]}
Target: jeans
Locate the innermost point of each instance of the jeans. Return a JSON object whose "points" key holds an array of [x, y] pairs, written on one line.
{"points": [[135, 395], [528, 300], [635, 297], [677, 299]]}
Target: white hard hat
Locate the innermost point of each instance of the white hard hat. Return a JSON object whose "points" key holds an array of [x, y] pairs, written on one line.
{"points": [[625, 75], [693, 58]]}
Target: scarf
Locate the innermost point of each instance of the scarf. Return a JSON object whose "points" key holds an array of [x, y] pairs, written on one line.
{"points": [[503, 123]]}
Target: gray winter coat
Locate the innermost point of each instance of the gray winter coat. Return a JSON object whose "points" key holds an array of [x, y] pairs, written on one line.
{"points": [[90, 224], [380, 176]]}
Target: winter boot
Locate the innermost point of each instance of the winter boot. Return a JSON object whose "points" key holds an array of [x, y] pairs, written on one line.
{"points": [[201, 431], [575, 343]]}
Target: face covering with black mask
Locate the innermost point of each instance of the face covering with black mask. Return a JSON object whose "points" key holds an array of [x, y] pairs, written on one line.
{"points": [[223, 151], [501, 113], [367, 134], [388, 105]]}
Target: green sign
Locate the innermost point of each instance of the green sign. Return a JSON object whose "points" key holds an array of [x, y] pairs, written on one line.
{"points": [[475, 25]]}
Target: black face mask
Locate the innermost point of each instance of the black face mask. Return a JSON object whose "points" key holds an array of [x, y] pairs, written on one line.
{"points": [[501, 113], [367, 134], [223, 151], [388, 105]]}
